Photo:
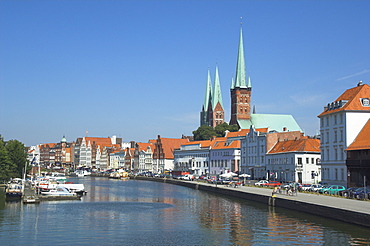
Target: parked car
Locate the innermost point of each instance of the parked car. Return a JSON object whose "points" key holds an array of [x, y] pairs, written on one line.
{"points": [[315, 187], [261, 182], [348, 192], [306, 187], [332, 189], [360, 193], [272, 184]]}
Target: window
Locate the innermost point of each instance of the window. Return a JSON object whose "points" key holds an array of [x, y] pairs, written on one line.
{"points": [[300, 160], [307, 160], [312, 160], [336, 173]]}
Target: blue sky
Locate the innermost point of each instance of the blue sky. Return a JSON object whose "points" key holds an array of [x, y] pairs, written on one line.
{"points": [[138, 69]]}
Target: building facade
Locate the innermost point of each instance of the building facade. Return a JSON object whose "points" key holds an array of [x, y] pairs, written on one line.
{"points": [[340, 123], [295, 160]]}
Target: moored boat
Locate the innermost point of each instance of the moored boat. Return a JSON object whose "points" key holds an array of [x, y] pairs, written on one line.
{"points": [[14, 190], [58, 192]]}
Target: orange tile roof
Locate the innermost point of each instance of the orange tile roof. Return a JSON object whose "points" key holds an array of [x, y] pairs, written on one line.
{"points": [[144, 146], [51, 145], [170, 144], [241, 132], [99, 141], [303, 144], [353, 97], [203, 143], [362, 141], [223, 145]]}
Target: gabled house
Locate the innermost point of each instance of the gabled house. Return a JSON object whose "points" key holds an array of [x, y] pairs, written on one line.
{"points": [[340, 123], [294, 161], [143, 157], [163, 148]]}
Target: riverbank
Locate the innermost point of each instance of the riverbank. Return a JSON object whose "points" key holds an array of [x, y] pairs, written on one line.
{"points": [[338, 208]]}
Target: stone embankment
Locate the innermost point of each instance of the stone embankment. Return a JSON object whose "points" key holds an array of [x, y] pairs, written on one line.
{"points": [[338, 208]]}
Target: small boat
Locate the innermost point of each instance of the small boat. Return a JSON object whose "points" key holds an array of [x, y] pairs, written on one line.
{"points": [[31, 199], [14, 191], [58, 192]]}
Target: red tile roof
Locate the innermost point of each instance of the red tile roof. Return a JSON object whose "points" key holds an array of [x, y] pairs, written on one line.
{"points": [[303, 144], [168, 146], [243, 132], [144, 146], [362, 141], [224, 145], [353, 96]]}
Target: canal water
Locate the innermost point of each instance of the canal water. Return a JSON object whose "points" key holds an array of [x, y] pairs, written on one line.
{"points": [[133, 212]]}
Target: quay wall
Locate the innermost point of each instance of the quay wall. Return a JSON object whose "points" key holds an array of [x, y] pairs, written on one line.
{"points": [[347, 216]]}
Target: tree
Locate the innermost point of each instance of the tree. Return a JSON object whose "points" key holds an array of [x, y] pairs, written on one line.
{"points": [[222, 128], [5, 162], [13, 158], [18, 157], [204, 132]]}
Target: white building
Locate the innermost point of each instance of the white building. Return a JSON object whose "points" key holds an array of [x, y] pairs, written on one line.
{"points": [[255, 145], [193, 158], [340, 123], [224, 156], [295, 161]]}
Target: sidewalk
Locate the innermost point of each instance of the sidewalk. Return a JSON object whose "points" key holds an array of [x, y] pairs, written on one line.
{"points": [[318, 199]]}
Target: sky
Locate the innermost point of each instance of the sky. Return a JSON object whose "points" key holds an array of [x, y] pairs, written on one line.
{"points": [[138, 69]]}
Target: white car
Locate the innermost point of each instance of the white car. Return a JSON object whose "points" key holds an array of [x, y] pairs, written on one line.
{"points": [[261, 182]]}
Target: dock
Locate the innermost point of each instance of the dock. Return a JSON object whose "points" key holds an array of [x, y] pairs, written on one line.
{"points": [[30, 196]]}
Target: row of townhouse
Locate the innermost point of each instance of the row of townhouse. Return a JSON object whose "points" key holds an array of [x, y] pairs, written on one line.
{"points": [[285, 156], [108, 153]]}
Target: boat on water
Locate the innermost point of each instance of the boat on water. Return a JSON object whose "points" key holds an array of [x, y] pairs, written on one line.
{"points": [[82, 173], [48, 185], [14, 189], [120, 174], [59, 192]]}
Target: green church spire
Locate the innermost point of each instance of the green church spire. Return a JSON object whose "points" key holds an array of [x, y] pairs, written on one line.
{"points": [[217, 96], [240, 78], [208, 94]]}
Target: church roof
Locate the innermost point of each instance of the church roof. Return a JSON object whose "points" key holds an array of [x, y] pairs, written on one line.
{"points": [[275, 122], [240, 78], [208, 94], [217, 95], [362, 140], [356, 98]]}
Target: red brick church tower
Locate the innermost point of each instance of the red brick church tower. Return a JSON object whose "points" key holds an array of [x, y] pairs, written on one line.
{"points": [[240, 90]]}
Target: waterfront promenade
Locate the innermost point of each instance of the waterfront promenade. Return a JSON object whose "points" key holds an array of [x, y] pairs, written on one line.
{"points": [[338, 208]]}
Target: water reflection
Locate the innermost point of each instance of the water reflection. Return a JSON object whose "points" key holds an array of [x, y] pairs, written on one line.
{"points": [[116, 212]]}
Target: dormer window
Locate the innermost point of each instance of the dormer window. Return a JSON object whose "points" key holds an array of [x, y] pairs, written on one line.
{"points": [[365, 102]]}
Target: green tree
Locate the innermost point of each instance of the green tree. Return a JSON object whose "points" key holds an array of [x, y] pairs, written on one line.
{"points": [[222, 128], [207, 132], [5, 162], [204, 132], [18, 157]]}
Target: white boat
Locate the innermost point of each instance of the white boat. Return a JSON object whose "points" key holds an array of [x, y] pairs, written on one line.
{"points": [[14, 191], [74, 188], [59, 191]]}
